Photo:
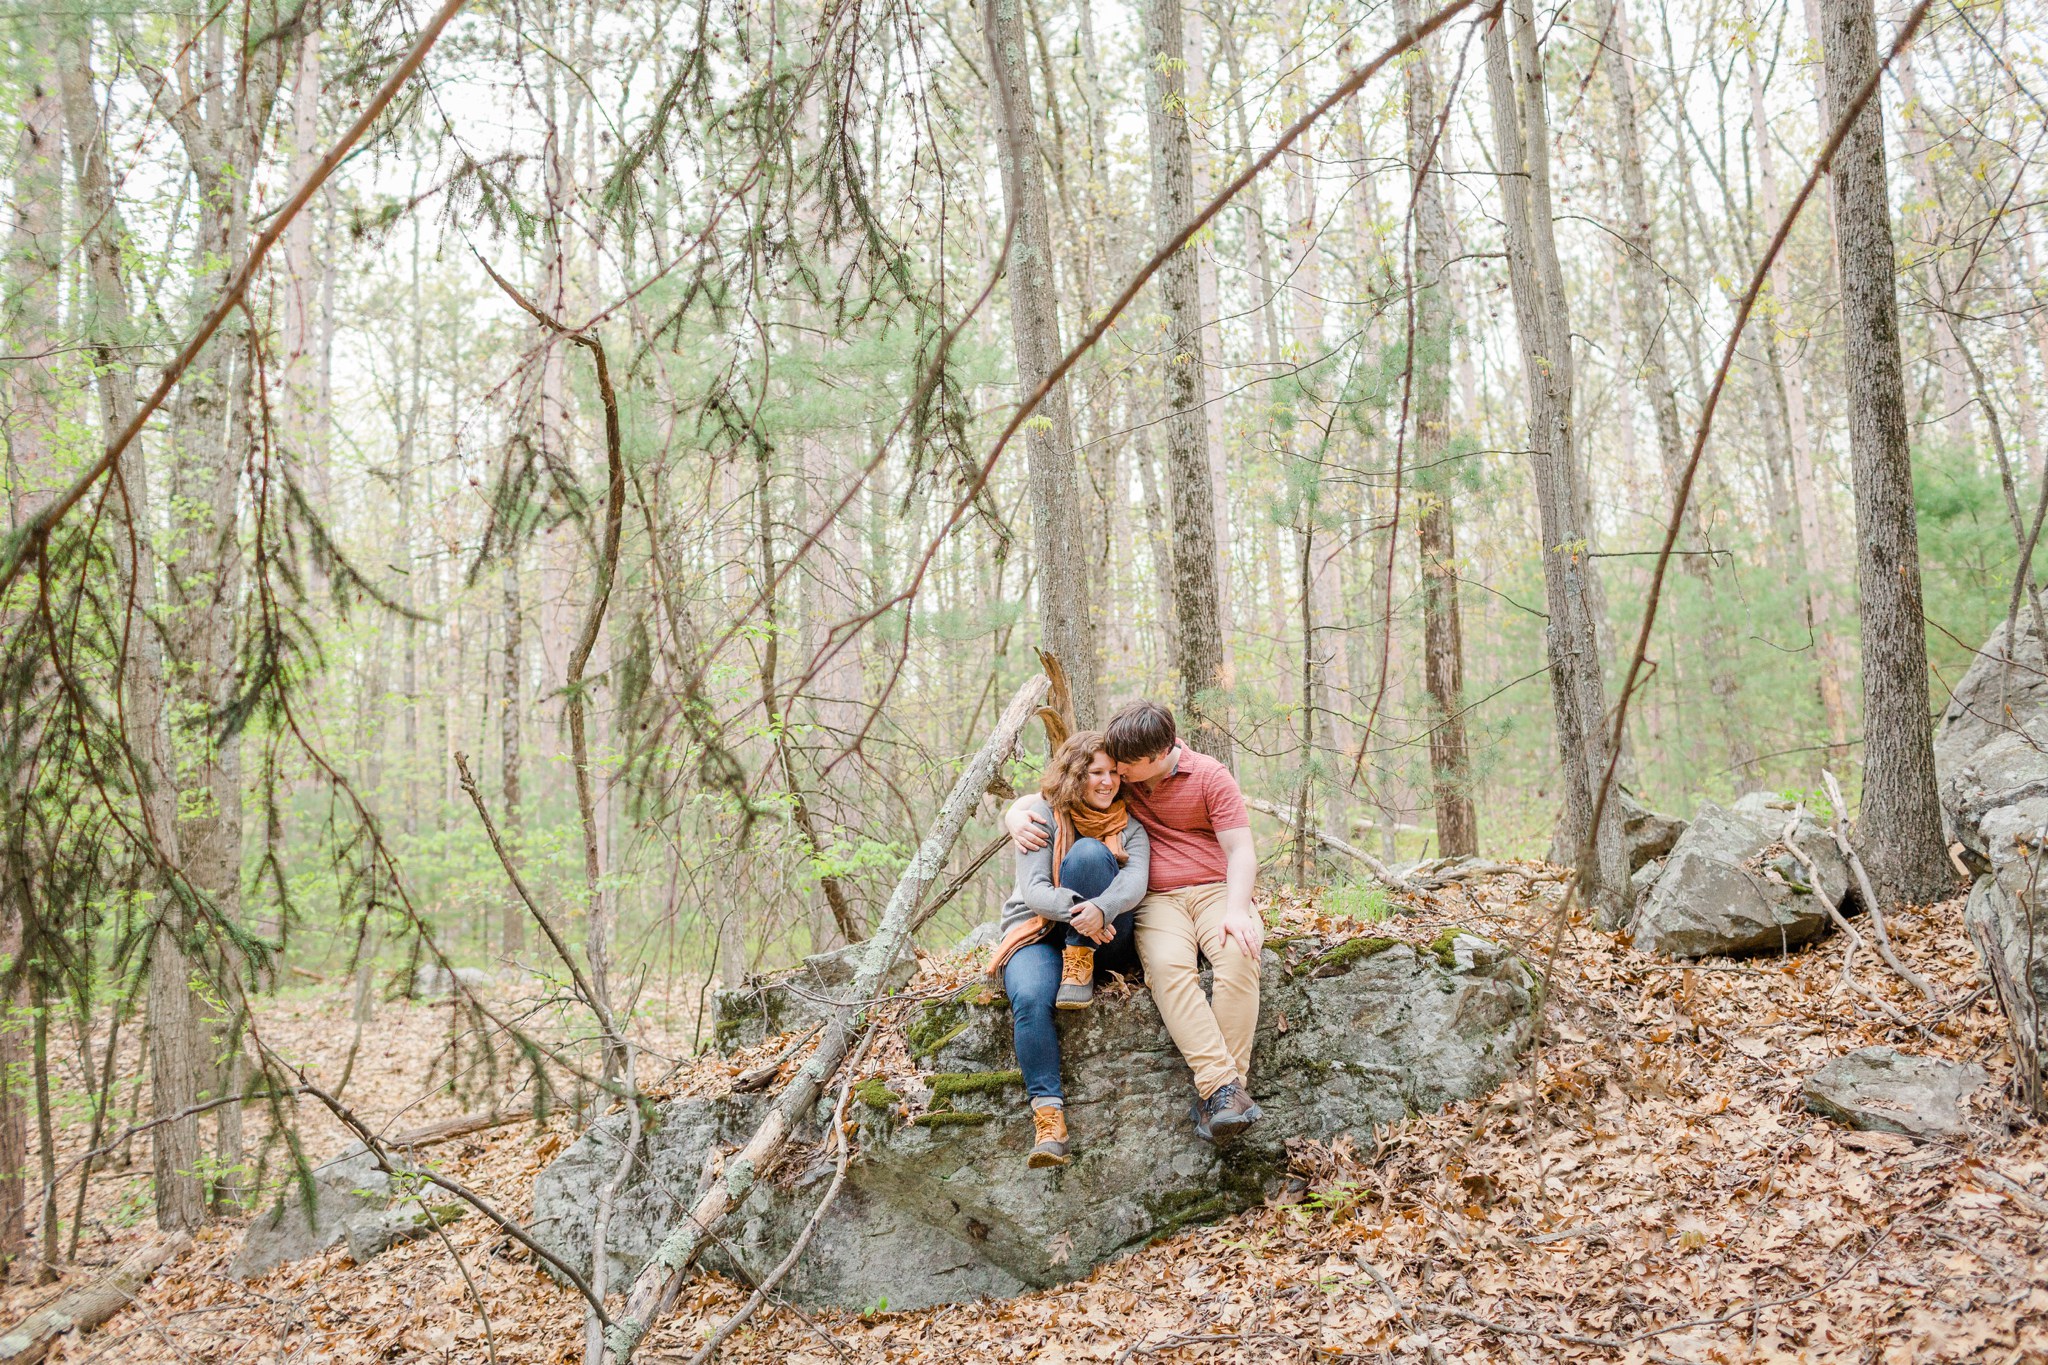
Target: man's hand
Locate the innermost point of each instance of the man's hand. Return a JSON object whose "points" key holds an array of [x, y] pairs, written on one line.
{"points": [[1244, 927], [1089, 923], [1028, 829]]}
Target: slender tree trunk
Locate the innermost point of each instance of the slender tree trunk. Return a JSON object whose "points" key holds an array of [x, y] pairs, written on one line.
{"points": [[1816, 532], [1572, 637], [1049, 445], [1901, 812], [1443, 647], [35, 256], [175, 1055], [513, 922], [1199, 628], [1958, 407]]}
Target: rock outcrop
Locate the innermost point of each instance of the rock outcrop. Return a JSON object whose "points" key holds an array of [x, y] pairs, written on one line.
{"points": [[1884, 1091], [1991, 756], [941, 1207], [353, 1201], [795, 999], [1730, 886]]}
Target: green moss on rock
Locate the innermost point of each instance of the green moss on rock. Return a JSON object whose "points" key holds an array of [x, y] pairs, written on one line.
{"points": [[1444, 946], [947, 1085], [1176, 1209], [950, 1118], [1343, 956], [937, 1025], [875, 1095]]}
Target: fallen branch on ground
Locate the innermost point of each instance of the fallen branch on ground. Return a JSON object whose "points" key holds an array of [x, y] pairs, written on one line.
{"points": [[447, 1130], [1379, 870], [658, 1283], [87, 1306], [1840, 830]]}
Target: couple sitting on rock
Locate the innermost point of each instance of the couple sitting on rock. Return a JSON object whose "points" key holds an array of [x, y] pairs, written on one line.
{"points": [[1136, 852]]}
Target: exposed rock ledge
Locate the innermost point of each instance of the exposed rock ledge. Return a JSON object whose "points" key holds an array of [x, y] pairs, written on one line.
{"points": [[942, 1208]]}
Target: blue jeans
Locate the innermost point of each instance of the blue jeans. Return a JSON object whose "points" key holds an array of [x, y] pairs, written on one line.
{"points": [[1031, 978]]}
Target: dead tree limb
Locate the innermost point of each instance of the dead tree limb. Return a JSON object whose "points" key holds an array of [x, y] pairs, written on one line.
{"points": [[87, 1306], [776, 1276], [654, 1291], [1379, 870], [1840, 829]]}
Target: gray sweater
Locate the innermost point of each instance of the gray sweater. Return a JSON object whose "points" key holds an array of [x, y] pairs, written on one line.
{"points": [[1036, 895]]}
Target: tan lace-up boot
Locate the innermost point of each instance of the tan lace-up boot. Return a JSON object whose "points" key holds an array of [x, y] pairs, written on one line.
{"points": [[1050, 1121], [1077, 979]]}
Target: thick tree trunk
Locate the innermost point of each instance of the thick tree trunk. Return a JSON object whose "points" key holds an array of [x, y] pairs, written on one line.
{"points": [[1049, 445], [175, 1054], [1572, 637], [1457, 823], [1198, 625], [1901, 812]]}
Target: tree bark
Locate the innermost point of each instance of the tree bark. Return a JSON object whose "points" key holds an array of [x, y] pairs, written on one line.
{"points": [[1457, 822], [1572, 636], [1901, 812], [1058, 547], [174, 1049], [513, 920], [1198, 624]]}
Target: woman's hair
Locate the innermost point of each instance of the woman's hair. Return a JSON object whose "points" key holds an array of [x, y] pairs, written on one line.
{"points": [[1067, 770]]}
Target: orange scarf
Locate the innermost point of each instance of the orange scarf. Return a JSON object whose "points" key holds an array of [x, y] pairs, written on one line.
{"points": [[1086, 822]]}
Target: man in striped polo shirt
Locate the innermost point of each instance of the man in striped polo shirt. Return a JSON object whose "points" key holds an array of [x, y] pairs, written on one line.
{"points": [[1199, 905]]}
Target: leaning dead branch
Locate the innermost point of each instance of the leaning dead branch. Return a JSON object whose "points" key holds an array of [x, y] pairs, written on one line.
{"points": [[655, 1290], [1380, 871]]}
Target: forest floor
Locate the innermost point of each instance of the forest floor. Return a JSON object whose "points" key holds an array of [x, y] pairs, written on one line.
{"points": [[1649, 1187]]}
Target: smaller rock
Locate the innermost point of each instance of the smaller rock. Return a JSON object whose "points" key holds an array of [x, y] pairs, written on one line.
{"points": [[353, 1200], [797, 998], [1729, 886], [1650, 834], [1644, 880], [432, 982], [1886, 1091], [980, 936]]}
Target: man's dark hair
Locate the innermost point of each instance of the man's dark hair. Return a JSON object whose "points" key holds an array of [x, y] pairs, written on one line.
{"points": [[1142, 729]]}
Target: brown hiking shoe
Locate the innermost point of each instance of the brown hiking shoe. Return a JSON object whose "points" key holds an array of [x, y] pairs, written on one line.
{"points": [[1050, 1121], [1077, 979], [1226, 1113]]}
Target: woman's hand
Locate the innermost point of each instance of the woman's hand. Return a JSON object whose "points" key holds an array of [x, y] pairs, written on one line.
{"points": [[1088, 922]]}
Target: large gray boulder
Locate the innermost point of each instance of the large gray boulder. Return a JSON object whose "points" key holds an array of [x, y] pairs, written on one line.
{"points": [[1991, 755], [795, 999], [1991, 744], [941, 1208], [1884, 1091], [1729, 886], [353, 1201]]}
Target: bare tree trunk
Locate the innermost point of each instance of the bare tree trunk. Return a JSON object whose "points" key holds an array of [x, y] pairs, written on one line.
{"points": [[1443, 647], [1057, 543], [175, 1055], [35, 256], [1212, 333], [1958, 407], [1198, 625], [1816, 532], [513, 915], [1572, 637], [1901, 812]]}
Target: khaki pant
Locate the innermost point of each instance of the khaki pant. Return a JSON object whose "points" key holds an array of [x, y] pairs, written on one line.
{"points": [[1215, 1036]]}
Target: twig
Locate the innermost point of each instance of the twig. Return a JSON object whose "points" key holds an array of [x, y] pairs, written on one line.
{"points": [[1379, 870], [766, 1285], [1869, 896], [1429, 1351], [760, 1076], [959, 883], [1855, 939]]}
